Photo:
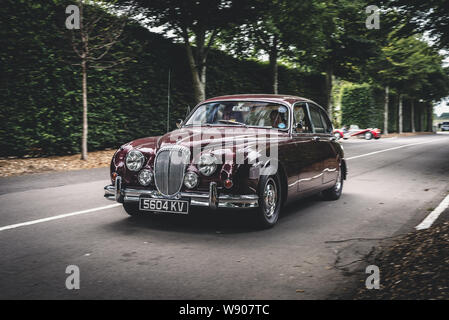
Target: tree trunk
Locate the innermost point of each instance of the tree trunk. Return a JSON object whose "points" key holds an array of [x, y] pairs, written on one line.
{"points": [[387, 99], [329, 76], [412, 115], [198, 85], [430, 118], [274, 65], [84, 138], [400, 113]]}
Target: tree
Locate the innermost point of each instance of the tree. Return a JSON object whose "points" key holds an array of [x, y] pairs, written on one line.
{"points": [[377, 69], [430, 16], [92, 42], [414, 70], [346, 42], [197, 23], [284, 29]]}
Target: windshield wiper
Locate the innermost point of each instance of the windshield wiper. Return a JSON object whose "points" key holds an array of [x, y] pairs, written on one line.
{"points": [[233, 122]]}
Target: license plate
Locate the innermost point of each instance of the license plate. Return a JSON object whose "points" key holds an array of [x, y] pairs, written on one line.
{"points": [[164, 205]]}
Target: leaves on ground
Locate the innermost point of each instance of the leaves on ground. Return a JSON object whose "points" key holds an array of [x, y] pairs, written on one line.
{"points": [[20, 166], [416, 266]]}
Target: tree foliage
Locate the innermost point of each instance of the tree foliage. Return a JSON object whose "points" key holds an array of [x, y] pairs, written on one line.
{"points": [[429, 16], [195, 22]]}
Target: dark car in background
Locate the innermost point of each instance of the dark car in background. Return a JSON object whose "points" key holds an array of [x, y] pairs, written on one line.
{"points": [[240, 151]]}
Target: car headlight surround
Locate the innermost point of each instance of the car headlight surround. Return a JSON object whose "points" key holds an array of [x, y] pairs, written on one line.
{"points": [[191, 180], [207, 164], [134, 160], [145, 177]]}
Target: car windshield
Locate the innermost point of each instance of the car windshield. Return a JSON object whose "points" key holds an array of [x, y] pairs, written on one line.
{"points": [[241, 113]]}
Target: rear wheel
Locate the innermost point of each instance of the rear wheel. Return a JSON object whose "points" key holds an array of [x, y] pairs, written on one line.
{"points": [[269, 201], [131, 208], [368, 135], [334, 193]]}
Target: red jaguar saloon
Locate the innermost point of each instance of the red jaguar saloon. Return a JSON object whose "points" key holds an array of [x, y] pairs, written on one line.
{"points": [[254, 152]]}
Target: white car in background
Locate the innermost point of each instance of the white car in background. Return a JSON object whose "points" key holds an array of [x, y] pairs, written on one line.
{"points": [[445, 126]]}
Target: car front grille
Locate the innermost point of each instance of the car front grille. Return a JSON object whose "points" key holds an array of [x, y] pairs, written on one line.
{"points": [[169, 168]]}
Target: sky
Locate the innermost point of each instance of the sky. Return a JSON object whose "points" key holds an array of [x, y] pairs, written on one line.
{"points": [[443, 106]]}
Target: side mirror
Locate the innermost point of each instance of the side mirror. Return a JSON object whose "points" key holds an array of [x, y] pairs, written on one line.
{"points": [[179, 123]]}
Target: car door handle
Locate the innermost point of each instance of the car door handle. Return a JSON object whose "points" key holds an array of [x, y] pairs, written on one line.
{"points": [[316, 138]]}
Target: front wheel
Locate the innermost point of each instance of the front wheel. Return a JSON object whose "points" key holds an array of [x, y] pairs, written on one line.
{"points": [[334, 193], [269, 201]]}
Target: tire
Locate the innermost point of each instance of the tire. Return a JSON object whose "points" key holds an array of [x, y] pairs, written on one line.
{"points": [[132, 209], [368, 135], [335, 192], [270, 201]]}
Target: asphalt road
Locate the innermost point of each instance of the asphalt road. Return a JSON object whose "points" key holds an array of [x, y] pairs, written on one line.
{"points": [[213, 255]]}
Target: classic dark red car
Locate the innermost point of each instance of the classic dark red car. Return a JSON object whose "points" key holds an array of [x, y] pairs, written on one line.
{"points": [[238, 151]]}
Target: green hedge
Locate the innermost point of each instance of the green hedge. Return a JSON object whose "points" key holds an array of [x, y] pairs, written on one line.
{"points": [[359, 106], [40, 92], [363, 104]]}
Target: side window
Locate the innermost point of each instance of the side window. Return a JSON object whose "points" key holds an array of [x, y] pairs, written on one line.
{"points": [[316, 119], [326, 121], [301, 119]]}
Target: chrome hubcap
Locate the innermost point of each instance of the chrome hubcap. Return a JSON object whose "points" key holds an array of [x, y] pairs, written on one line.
{"points": [[270, 198], [338, 184]]}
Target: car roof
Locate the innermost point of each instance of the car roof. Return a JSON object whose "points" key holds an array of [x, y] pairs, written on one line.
{"points": [[267, 97]]}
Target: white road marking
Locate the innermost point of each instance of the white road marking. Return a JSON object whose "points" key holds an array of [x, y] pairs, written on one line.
{"points": [[430, 219], [61, 216], [389, 149]]}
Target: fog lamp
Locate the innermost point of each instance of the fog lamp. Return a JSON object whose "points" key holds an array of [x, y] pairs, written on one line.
{"points": [[145, 177], [191, 180]]}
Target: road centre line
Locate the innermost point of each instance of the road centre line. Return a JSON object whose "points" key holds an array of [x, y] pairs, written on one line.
{"points": [[66, 215], [61, 216], [390, 149]]}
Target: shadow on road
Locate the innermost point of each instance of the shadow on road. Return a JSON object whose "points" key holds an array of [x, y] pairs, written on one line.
{"points": [[206, 221]]}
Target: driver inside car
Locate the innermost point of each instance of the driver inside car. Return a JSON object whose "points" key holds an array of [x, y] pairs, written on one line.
{"points": [[231, 115], [277, 120]]}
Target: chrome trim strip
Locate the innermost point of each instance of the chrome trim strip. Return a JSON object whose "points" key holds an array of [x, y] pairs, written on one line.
{"points": [[311, 178]]}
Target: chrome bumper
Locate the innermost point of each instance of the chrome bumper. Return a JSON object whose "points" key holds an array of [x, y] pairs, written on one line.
{"points": [[212, 199]]}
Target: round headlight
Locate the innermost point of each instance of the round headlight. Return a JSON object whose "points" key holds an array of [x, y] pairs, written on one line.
{"points": [[145, 177], [207, 164], [191, 180], [134, 160]]}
